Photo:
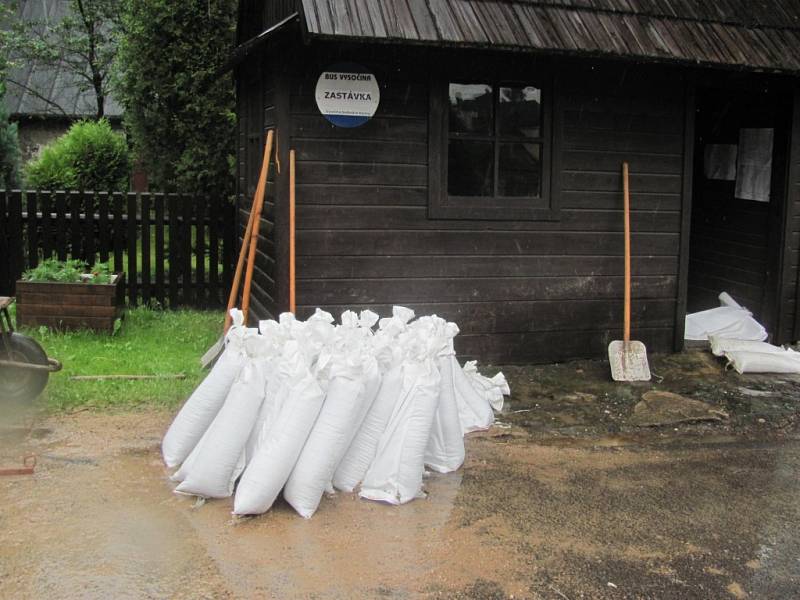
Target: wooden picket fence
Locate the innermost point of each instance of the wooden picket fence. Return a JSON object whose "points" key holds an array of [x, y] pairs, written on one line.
{"points": [[176, 250]]}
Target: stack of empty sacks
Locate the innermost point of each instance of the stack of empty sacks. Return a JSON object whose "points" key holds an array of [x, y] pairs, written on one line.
{"points": [[304, 407]]}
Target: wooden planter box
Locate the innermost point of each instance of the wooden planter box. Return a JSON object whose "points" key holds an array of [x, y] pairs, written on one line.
{"points": [[70, 305]]}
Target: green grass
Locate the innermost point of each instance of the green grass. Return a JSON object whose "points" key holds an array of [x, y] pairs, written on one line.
{"points": [[149, 342]]}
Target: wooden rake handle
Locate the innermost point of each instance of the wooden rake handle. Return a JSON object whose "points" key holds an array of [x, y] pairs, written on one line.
{"points": [[258, 207], [258, 202]]}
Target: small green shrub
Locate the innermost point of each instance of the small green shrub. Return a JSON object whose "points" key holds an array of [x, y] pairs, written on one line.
{"points": [[51, 171], [90, 156], [68, 271]]}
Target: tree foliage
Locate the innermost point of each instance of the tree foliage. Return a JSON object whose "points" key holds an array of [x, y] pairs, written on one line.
{"points": [[9, 145], [178, 112], [83, 43], [90, 156], [9, 140]]}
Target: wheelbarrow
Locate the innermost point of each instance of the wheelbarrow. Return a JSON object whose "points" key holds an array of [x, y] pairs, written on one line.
{"points": [[24, 365]]}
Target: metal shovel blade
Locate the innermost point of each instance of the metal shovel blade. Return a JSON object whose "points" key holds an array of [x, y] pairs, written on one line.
{"points": [[212, 353], [628, 361]]}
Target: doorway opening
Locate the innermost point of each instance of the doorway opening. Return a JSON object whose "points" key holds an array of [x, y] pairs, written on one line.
{"points": [[739, 185]]}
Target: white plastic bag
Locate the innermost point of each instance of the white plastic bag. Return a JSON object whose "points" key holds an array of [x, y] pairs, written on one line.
{"points": [[395, 475], [203, 405], [219, 457], [343, 410], [297, 406]]}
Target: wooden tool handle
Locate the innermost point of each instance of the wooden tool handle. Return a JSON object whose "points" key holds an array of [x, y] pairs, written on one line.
{"points": [[260, 189], [292, 288], [259, 205], [627, 201]]}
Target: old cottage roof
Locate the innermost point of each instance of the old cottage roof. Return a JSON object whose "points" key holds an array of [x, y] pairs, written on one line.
{"points": [[46, 90], [753, 34]]}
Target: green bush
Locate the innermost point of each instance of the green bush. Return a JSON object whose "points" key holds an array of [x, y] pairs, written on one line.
{"points": [[90, 156]]}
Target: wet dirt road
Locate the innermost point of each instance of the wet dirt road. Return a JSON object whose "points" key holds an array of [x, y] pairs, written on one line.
{"points": [[640, 516]]}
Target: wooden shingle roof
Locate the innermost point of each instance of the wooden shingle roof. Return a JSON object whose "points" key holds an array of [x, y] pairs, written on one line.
{"points": [[752, 34]]}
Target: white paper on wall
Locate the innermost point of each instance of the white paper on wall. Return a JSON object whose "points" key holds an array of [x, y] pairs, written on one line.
{"points": [[719, 161], [754, 168]]}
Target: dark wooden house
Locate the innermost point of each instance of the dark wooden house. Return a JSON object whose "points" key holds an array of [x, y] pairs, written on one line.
{"points": [[487, 188]]}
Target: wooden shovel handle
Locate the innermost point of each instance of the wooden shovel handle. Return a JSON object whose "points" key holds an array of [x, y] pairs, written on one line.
{"points": [[292, 283], [260, 188], [259, 205], [627, 210]]}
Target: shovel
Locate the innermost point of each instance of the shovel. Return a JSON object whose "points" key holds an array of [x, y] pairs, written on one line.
{"points": [[628, 358]]}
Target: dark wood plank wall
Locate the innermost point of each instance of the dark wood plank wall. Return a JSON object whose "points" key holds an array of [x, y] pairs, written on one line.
{"points": [[520, 290], [257, 113], [729, 249]]}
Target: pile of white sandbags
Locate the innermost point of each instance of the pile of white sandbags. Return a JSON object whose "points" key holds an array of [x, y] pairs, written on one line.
{"points": [[309, 406]]}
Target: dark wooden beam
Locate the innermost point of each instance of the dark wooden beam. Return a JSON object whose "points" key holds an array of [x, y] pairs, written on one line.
{"points": [[686, 209], [793, 194]]}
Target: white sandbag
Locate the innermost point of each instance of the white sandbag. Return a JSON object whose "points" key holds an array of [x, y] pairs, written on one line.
{"points": [[345, 406], [362, 450], [298, 404], [219, 458], [474, 410], [395, 476], [491, 388], [203, 405], [787, 361], [445, 451], [719, 346], [273, 385]]}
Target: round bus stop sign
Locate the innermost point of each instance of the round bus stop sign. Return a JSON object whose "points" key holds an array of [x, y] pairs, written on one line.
{"points": [[347, 95]]}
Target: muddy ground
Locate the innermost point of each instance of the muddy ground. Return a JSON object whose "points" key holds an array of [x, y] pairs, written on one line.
{"points": [[565, 498]]}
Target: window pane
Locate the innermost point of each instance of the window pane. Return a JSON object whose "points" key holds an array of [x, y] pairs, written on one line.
{"points": [[470, 167], [520, 170], [471, 108], [520, 110]]}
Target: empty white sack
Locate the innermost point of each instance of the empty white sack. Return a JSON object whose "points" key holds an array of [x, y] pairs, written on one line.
{"points": [[297, 405], [203, 405], [219, 458], [730, 320]]}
